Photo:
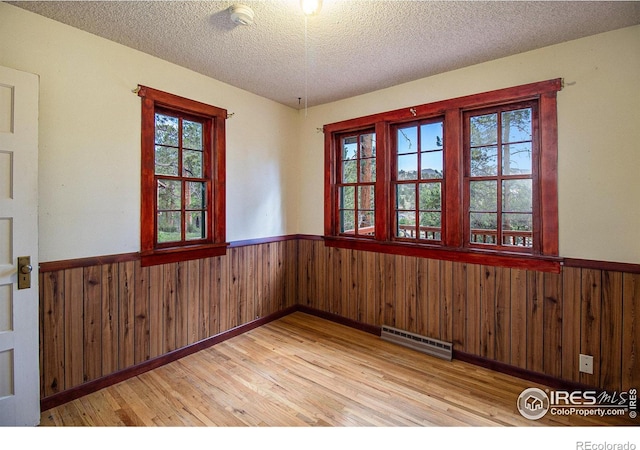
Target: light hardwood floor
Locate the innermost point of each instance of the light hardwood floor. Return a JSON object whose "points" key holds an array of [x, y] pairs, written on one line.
{"points": [[303, 371]]}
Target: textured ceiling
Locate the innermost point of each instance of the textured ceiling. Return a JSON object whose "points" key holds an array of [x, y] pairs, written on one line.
{"points": [[349, 48]]}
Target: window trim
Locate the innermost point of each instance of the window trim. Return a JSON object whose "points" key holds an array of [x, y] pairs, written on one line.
{"points": [[453, 247], [216, 244]]}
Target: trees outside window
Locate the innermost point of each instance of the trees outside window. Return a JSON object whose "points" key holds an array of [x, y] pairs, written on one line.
{"points": [[467, 179], [183, 178]]}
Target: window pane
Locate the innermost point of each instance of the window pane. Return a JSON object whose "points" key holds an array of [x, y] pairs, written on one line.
{"points": [[350, 171], [484, 161], [431, 165], [406, 196], [430, 226], [517, 196], [347, 221], [192, 164], [169, 227], [347, 197], [484, 228], [366, 223], [430, 197], [516, 125], [431, 136], [517, 229], [408, 167], [169, 195], [406, 224], [166, 160], [196, 228], [407, 140], [349, 148], [166, 130], [191, 135], [484, 130], [366, 197], [368, 145], [516, 159], [483, 196], [367, 170], [196, 195]]}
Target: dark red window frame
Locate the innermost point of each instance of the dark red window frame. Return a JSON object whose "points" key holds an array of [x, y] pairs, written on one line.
{"points": [[213, 119], [543, 257]]}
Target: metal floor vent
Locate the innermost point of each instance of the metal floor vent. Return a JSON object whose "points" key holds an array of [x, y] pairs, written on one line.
{"points": [[422, 344]]}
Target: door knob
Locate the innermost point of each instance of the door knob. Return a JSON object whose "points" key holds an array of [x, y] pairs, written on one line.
{"points": [[25, 269]]}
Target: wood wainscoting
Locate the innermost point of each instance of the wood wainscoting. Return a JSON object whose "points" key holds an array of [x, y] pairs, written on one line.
{"points": [[538, 322], [101, 316], [98, 318]]}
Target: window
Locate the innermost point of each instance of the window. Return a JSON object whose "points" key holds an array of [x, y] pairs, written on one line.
{"points": [[183, 176], [468, 179], [417, 181], [500, 151], [356, 185]]}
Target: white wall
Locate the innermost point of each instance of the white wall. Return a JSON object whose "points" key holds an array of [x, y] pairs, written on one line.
{"points": [[90, 138], [89, 168], [599, 135]]}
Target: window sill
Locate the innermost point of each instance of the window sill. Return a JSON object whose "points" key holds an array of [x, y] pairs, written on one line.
{"points": [[501, 259], [171, 255]]}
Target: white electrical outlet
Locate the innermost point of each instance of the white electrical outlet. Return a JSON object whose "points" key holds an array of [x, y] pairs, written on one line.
{"points": [[586, 363]]}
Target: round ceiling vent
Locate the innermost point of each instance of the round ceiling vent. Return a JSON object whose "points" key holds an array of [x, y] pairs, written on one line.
{"points": [[241, 15]]}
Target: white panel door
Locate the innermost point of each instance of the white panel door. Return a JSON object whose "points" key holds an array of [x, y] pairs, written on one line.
{"points": [[19, 362]]}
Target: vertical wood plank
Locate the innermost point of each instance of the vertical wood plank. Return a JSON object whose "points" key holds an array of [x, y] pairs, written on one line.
{"points": [[571, 313], [611, 331], [591, 288], [234, 302], [53, 326], [389, 290], [195, 309], [411, 293], [156, 284], [434, 297], [361, 282], [631, 331], [518, 335], [552, 338], [535, 321], [169, 307], [488, 311], [249, 264], [473, 330], [459, 312], [215, 300], [73, 292], [92, 323], [399, 294], [206, 285], [446, 321], [291, 263], [181, 304], [503, 315], [422, 296], [126, 314], [370, 276], [110, 318], [335, 280], [354, 285], [141, 326]]}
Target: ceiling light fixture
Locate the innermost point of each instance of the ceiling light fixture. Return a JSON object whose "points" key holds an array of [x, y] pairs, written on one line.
{"points": [[241, 15], [311, 7]]}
